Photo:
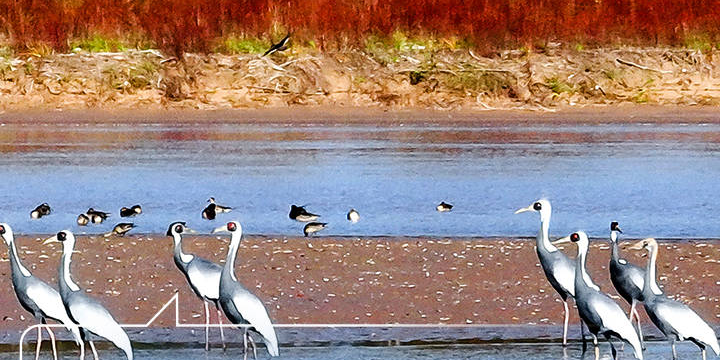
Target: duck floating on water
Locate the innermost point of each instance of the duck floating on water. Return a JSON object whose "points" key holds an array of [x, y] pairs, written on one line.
{"points": [[313, 227], [131, 211], [298, 213], [353, 216], [121, 229], [211, 211], [40, 211], [443, 207], [83, 220], [96, 216]]}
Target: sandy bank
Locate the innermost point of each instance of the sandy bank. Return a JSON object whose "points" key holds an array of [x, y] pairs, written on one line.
{"points": [[357, 281], [445, 80]]}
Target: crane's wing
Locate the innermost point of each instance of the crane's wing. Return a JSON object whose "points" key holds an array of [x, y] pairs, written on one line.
{"points": [[50, 302], [89, 314], [687, 323], [613, 318], [205, 277], [253, 310]]}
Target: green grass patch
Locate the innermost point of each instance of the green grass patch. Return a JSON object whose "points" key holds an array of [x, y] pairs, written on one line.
{"points": [[242, 45], [98, 43], [558, 86]]}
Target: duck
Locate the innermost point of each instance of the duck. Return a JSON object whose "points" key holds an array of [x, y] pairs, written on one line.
{"points": [[131, 211], [298, 213], [443, 207], [313, 227], [96, 216], [121, 229], [210, 212], [40, 211], [83, 220], [353, 216]]}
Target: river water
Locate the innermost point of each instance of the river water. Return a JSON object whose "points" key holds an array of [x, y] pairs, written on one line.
{"points": [[655, 179]]}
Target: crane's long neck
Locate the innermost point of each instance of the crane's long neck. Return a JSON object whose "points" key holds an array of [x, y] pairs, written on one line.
{"points": [[581, 274], [15, 265], [650, 287], [543, 237], [615, 252], [178, 254], [65, 278], [229, 268]]}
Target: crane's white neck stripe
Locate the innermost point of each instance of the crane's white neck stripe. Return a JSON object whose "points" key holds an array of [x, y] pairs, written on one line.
{"points": [[186, 258], [19, 264]]}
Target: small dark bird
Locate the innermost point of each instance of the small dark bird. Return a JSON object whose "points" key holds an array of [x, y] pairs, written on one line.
{"points": [[353, 216], [40, 211], [83, 220], [313, 227], [298, 213], [121, 229], [281, 45], [132, 211], [211, 211], [443, 207], [97, 217]]}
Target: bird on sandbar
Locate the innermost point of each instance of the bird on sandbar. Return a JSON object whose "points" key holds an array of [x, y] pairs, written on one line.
{"points": [[121, 229], [36, 296], [210, 212], [202, 275], [96, 216], [40, 211], [353, 216], [625, 277], [601, 314], [443, 207], [313, 227], [240, 305], [674, 319], [298, 213], [131, 211], [281, 45], [86, 312]]}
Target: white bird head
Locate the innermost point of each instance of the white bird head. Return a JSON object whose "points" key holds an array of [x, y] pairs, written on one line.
{"points": [[65, 237], [179, 227], [233, 227], [6, 233], [542, 206], [580, 238]]}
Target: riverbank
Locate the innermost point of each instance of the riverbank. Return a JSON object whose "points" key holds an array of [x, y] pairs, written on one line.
{"points": [[547, 80], [492, 282]]}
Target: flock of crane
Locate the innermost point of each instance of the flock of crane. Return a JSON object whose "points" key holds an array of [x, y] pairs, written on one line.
{"points": [[602, 315], [218, 285]]}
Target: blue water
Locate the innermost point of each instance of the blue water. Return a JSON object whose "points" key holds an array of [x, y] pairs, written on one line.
{"points": [[656, 180]]}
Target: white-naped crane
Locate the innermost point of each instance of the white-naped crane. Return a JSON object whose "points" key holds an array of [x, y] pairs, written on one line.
{"points": [[240, 305], [203, 276], [86, 312], [676, 320]]}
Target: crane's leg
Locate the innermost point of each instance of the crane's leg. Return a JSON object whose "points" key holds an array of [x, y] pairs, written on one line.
{"points": [[52, 340], [82, 349], [674, 352], [254, 346], [207, 326], [222, 334], [245, 347], [92, 346], [633, 311], [612, 347], [565, 324], [582, 333], [597, 348], [39, 343]]}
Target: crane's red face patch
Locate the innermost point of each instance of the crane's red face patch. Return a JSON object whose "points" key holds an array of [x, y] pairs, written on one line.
{"points": [[2, 229], [574, 237], [178, 229], [231, 226]]}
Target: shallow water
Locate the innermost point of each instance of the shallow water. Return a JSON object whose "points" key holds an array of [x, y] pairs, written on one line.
{"points": [[505, 351], [657, 180]]}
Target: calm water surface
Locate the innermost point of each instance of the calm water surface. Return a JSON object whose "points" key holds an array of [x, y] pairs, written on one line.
{"points": [[659, 180]]}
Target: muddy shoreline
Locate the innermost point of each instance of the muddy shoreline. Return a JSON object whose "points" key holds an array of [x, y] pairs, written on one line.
{"points": [[496, 283]]}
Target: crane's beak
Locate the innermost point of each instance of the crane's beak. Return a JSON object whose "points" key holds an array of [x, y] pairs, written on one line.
{"points": [[190, 231], [220, 229], [640, 245], [618, 229], [51, 240], [562, 240], [522, 210]]}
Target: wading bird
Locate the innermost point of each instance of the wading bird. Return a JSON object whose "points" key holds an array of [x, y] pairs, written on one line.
{"points": [[676, 320], [202, 275], [298, 213], [281, 45], [626, 277], [313, 227], [40, 211], [443, 207], [121, 229], [558, 268], [211, 211], [131, 211], [353, 216], [601, 314], [35, 296], [240, 305], [85, 311]]}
